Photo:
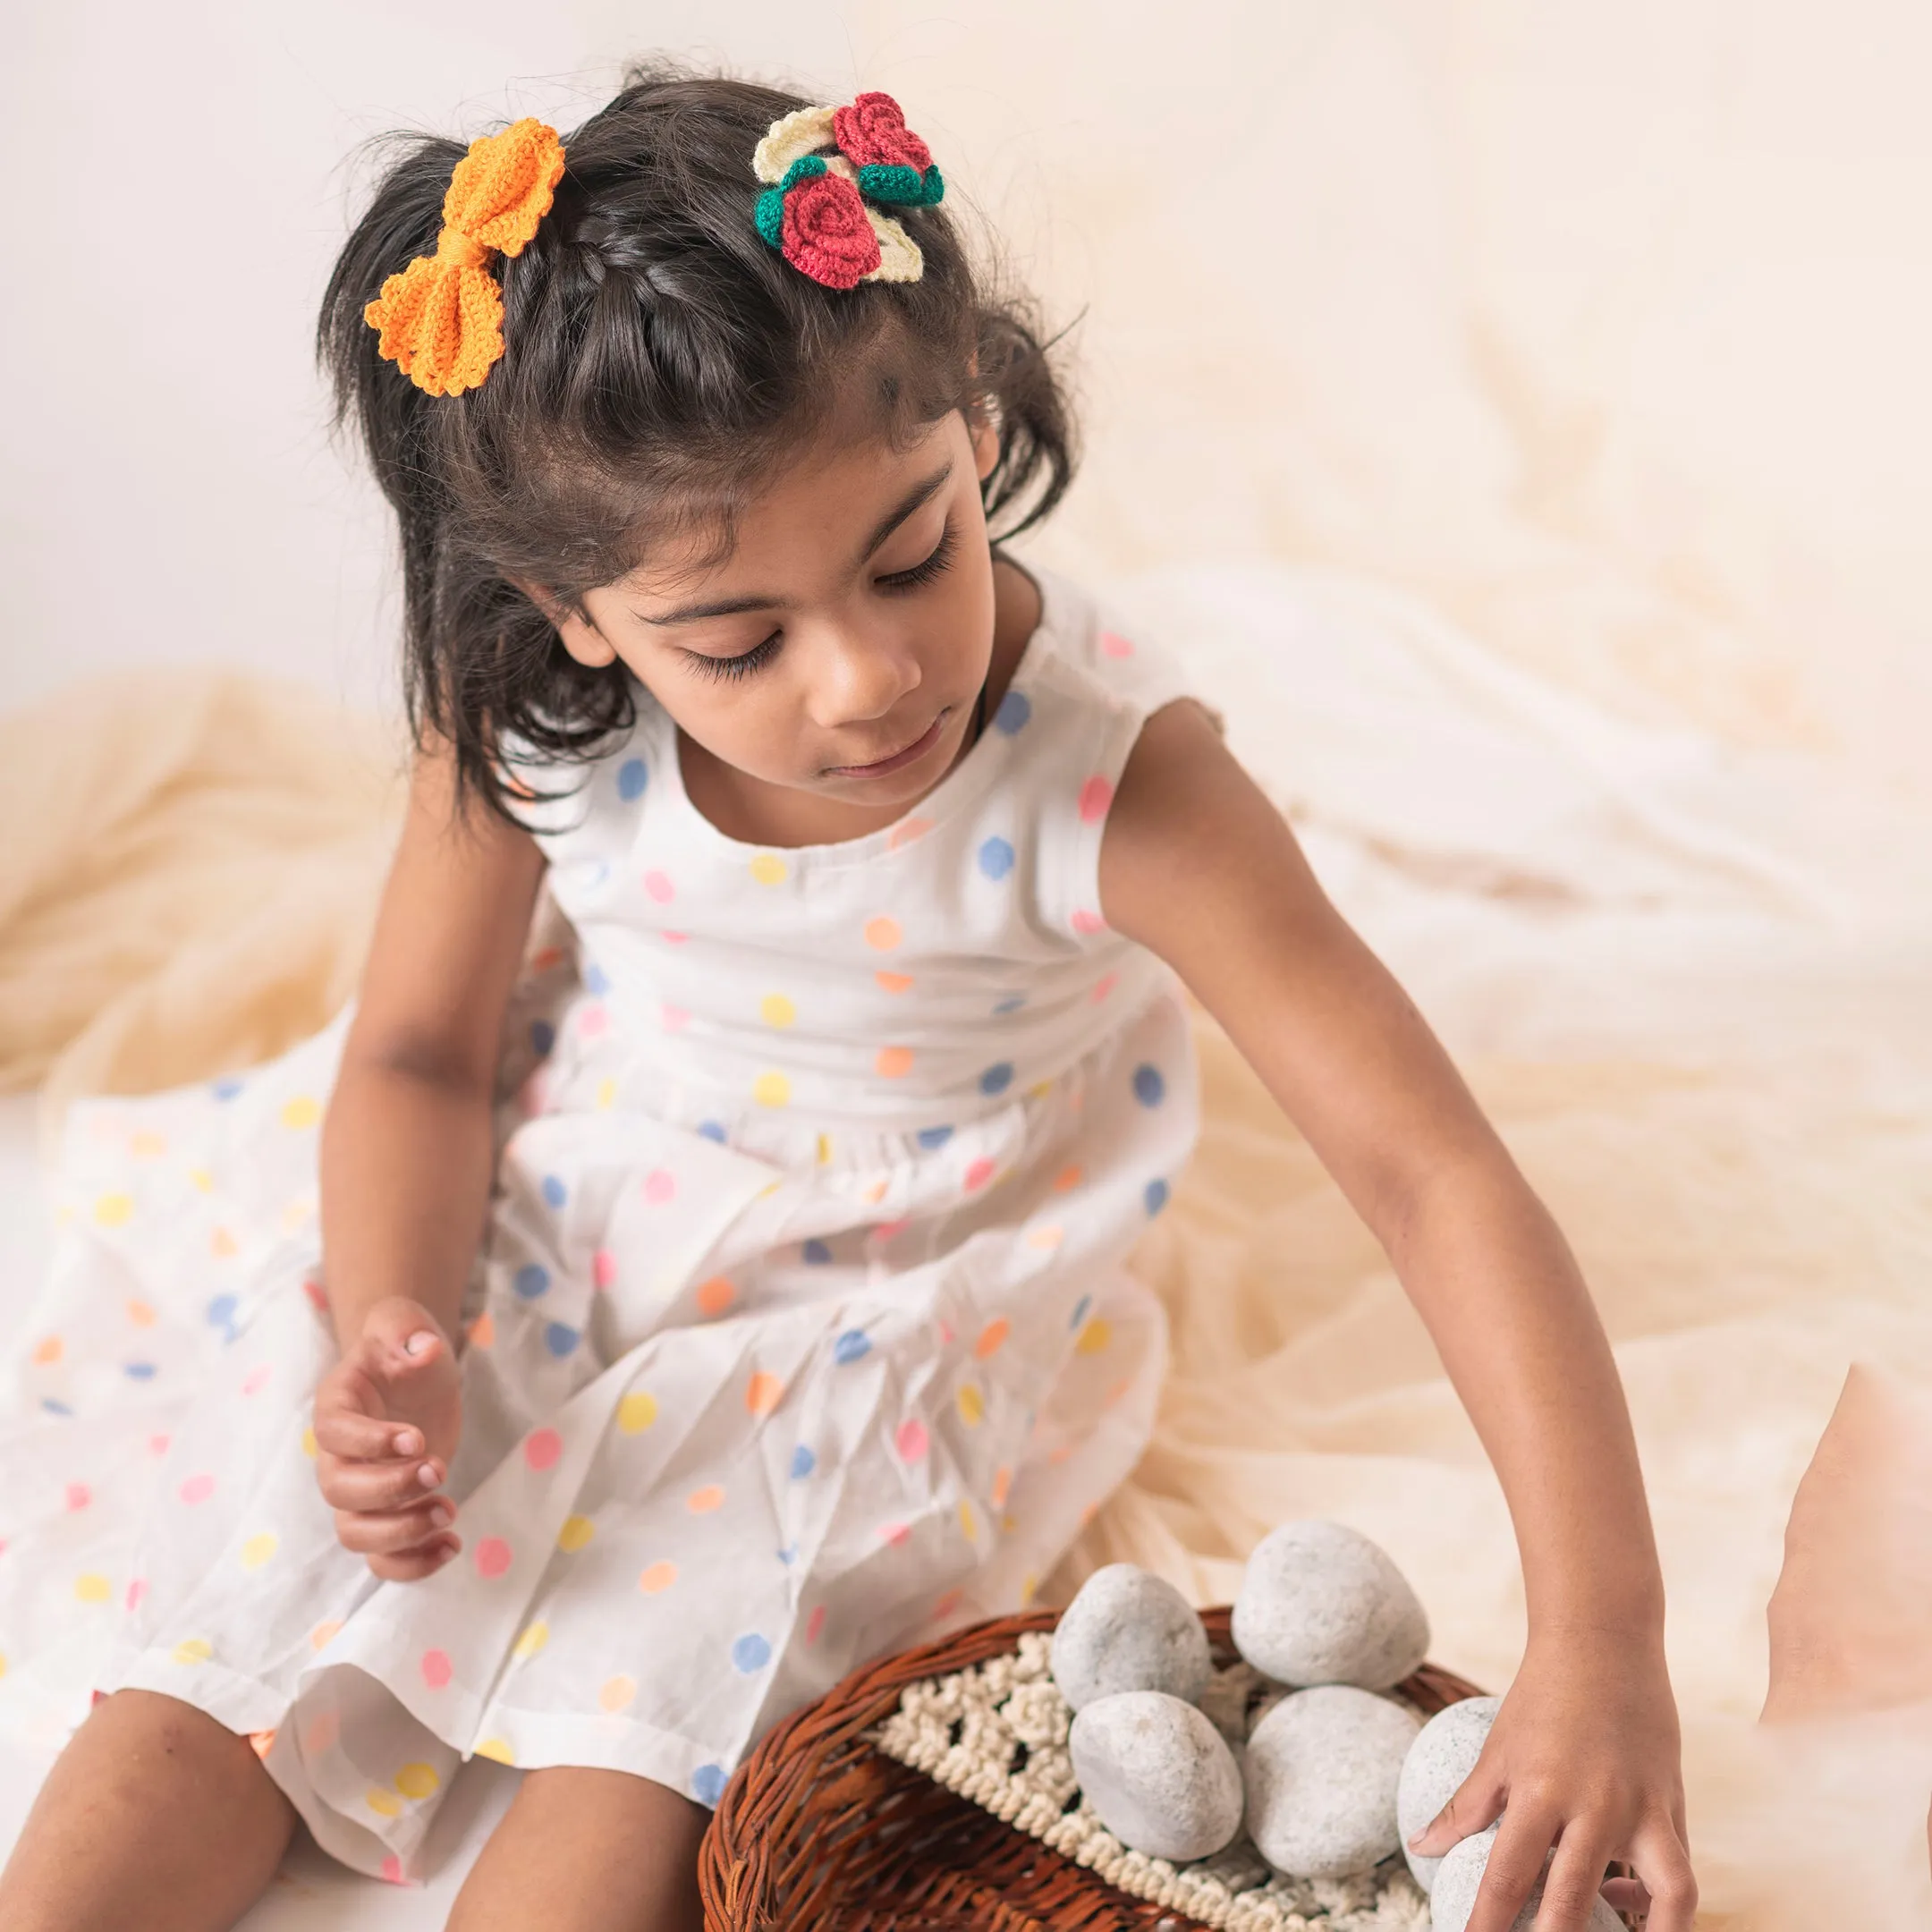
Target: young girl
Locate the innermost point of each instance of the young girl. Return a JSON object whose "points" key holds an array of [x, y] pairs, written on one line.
{"points": [[771, 1045]]}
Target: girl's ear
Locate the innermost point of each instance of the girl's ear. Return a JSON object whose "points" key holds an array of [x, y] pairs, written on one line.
{"points": [[984, 437], [580, 638]]}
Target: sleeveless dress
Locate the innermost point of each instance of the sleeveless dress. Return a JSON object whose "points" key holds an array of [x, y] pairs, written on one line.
{"points": [[799, 1331]]}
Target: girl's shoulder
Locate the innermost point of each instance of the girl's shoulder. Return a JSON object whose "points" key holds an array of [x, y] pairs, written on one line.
{"points": [[1086, 647]]}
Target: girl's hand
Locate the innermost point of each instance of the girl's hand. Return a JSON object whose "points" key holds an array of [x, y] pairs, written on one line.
{"points": [[388, 1418], [1585, 1756]]}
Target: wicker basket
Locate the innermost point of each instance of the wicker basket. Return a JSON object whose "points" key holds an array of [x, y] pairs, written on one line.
{"points": [[818, 1832]]}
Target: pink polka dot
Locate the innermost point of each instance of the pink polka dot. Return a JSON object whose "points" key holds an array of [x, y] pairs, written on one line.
{"points": [[492, 1556], [392, 1870], [198, 1488], [603, 1268], [659, 1186], [978, 1173], [674, 1018], [911, 1440], [78, 1496], [886, 1229], [137, 1589], [317, 1295], [1106, 985], [256, 1380], [592, 1021], [1113, 645], [1095, 796], [157, 1445], [660, 888], [542, 1447], [895, 1533], [815, 1624], [437, 1669], [1085, 921], [673, 938], [946, 1334]]}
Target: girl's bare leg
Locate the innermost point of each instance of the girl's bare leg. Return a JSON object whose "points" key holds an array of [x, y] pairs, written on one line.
{"points": [[584, 1851], [154, 1816]]}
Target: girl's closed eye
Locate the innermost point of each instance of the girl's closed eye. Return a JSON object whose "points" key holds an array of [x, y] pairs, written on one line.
{"points": [[934, 565], [743, 664]]}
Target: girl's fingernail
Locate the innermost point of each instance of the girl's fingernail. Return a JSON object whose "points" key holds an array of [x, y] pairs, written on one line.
{"points": [[442, 1515], [408, 1443], [426, 1476], [420, 1342]]}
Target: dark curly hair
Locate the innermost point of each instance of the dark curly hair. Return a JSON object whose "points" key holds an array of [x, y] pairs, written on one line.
{"points": [[658, 358]]}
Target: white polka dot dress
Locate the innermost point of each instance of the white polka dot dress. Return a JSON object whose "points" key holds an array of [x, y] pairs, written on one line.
{"points": [[799, 1331]]}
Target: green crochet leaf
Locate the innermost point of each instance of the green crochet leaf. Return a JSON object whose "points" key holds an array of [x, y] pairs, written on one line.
{"points": [[900, 186], [802, 169], [769, 215]]}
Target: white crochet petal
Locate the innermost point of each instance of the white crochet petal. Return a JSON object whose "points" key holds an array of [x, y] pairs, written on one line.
{"points": [[796, 134], [900, 259]]}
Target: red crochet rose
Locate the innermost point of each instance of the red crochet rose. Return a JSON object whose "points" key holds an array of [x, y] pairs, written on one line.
{"points": [[826, 234], [872, 134]]}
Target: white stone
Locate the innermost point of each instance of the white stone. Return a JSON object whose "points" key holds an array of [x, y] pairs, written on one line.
{"points": [[1461, 1873], [1160, 1775], [1321, 1770], [1129, 1630], [1442, 1757], [1320, 1603]]}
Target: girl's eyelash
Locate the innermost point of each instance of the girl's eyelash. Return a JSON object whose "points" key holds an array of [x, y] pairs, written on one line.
{"points": [[923, 573]]}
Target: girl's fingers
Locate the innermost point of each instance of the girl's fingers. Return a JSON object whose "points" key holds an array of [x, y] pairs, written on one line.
{"points": [[356, 1438], [1575, 1876], [393, 1485], [409, 1566], [1515, 1864], [388, 1532], [1476, 1807], [1663, 1866]]}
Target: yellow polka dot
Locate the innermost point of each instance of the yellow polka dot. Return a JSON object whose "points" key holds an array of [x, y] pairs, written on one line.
{"points": [[201, 1181], [193, 1650], [1045, 1237], [883, 934], [148, 1146], [308, 1444], [114, 1210], [969, 1522], [65, 1215], [617, 1693], [1095, 1336], [716, 1295], [418, 1781], [303, 1111], [93, 1587], [498, 1749], [762, 1394], [534, 1638], [824, 1150], [49, 1348], [768, 869], [295, 1214], [657, 1577], [971, 1405], [893, 1062], [1029, 1590], [382, 1803], [775, 1010], [607, 1098], [576, 1532], [636, 1413], [3, 1666], [324, 1634], [257, 1550], [141, 1315], [771, 1089]]}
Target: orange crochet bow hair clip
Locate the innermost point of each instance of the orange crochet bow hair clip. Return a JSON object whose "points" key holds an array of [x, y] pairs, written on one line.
{"points": [[441, 318]]}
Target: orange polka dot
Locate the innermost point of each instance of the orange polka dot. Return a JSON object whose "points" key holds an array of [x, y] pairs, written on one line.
{"points": [[148, 1146], [892, 982], [893, 1062], [906, 831], [702, 1502], [222, 1243], [659, 1577], [141, 1314], [716, 1295], [883, 934], [483, 1330], [616, 1693], [992, 1337], [762, 1394], [1045, 1237], [1002, 1486], [261, 1742], [324, 1634], [48, 1349], [1068, 1179]]}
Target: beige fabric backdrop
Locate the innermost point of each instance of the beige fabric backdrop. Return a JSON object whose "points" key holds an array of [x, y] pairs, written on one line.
{"points": [[1598, 332]]}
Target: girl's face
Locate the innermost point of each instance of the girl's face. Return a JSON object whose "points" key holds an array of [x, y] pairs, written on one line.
{"points": [[839, 648]]}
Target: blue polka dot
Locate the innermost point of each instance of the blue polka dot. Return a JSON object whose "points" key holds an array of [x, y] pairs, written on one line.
{"points": [[932, 1138], [788, 1555], [632, 777], [996, 858], [1080, 1310], [560, 1338], [226, 1089], [1156, 1196], [597, 980], [707, 1783], [997, 1078], [140, 1371], [751, 1653], [816, 1252], [1014, 712], [531, 1281], [851, 1345], [1149, 1088], [542, 1036], [803, 1462], [55, 1408], [222, 1312], [1012, 1002], [554, 1192], [712, 1131]]}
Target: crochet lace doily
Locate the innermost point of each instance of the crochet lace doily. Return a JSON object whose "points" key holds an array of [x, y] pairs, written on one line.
{"points": [[997, 1735]]}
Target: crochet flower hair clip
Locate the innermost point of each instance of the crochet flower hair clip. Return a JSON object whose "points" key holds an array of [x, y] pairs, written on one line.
{"points": [[816, 208]]}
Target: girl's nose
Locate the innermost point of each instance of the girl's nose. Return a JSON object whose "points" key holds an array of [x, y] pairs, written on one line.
{"points": [[860, 676]]}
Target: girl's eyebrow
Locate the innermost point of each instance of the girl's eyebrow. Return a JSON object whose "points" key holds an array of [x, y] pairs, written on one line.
{"points": [[914, 498]]}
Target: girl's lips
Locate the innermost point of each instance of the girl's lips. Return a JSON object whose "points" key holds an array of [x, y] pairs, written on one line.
{"points": [[918, 749]]}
